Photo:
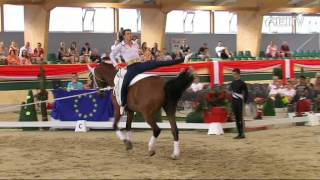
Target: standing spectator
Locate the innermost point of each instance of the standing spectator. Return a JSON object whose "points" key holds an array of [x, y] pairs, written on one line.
{"points": [[285, 50], [272, 50], [25, 59], [27, 48], [38, 54], [222, 51], [73, 52], [85, 53], [3, 52], [75, 84]]}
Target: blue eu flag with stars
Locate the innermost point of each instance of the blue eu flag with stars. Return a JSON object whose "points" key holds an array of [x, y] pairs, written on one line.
{"points": [[89, 107]]}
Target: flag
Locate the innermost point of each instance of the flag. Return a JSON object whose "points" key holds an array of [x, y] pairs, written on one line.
{"points": [[90, 107]]}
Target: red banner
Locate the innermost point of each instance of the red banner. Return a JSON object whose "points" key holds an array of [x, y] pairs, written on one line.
{"points": [[249, 66]]}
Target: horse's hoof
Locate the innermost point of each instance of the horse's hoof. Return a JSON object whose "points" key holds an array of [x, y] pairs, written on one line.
{"points": [[152, 153], [128, 144], [174, 157]]}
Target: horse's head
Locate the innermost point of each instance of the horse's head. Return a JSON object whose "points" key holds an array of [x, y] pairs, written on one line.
{"points": [[104, 75]]}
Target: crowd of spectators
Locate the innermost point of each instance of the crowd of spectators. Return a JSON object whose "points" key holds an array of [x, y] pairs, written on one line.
{"points": [[21, 56]]}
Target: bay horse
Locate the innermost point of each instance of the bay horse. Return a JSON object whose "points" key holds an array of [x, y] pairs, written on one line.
{"points": [[147, 96]]}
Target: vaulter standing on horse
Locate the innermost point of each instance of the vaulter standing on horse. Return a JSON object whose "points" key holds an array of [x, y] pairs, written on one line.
{"points": [[129, 51]]}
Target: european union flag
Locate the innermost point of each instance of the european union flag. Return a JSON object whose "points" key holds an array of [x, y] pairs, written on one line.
{"points": [[90, 107]]}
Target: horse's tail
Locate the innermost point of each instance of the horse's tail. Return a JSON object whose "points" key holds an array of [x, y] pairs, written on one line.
{"points": [[174, 89]]}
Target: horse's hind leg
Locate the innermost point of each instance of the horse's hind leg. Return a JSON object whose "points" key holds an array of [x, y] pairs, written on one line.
{"points": [[156, 132]]}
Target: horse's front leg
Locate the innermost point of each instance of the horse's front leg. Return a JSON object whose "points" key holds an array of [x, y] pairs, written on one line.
{"points": [[128, 140], [117, 117]]}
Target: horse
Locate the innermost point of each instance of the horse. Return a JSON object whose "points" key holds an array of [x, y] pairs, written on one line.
{"points": [[147, 97]]}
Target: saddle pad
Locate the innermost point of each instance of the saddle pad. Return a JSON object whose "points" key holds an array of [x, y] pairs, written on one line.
{"points": [[140, 77]]}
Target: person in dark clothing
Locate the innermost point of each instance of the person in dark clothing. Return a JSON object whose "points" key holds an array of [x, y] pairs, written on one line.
{"points": [[239, 92]]}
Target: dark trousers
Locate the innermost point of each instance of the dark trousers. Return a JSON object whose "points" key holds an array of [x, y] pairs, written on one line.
{"points": [[138, 68], [237, 108]]}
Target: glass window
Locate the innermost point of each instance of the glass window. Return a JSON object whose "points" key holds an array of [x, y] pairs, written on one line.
{"points": [[273, 24], [104, 20], [225, 22], [78, 19], [130, 19], [13, 17], [188, 21], [175, 22], [308, 24], [66, 19]]}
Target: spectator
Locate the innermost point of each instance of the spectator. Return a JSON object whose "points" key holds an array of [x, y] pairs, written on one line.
{"points": [[223, 51], [184, 47], [276, 89], [288, 93], [144, 47], [85, 53], [27, 48], [196, 85], [14, 48], [63, 54], [95, 57], [204, 53], [75, 84], [38, 54], [285, 50], [272, 50], [25, 59], [302, 90], [3, 53], [73, 52], [12, 58], [147, 55], [155, 50]]}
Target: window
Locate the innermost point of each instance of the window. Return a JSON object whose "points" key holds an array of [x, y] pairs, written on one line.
{"points": [[130, 19], [225, 22], [188, 22], [66, 19], [82, 19], [13, 17], [307, 24], [273, 24]]}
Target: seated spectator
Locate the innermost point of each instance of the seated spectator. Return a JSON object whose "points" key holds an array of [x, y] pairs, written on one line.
{"points": [[147, 55], [184, 47], [222, 51], [196, 85], [38, 54], [63, 54], [73, 52], [144, 48], [155, 50], [288, 93], [95, 57], [75, 84], [13, 59], [25, 59], [302, 90], [85, 53], [316, 93], [26, 48], [204, 53], [276, 89], [14, 47], [285, 50], [3, 53], [272, 50]]}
